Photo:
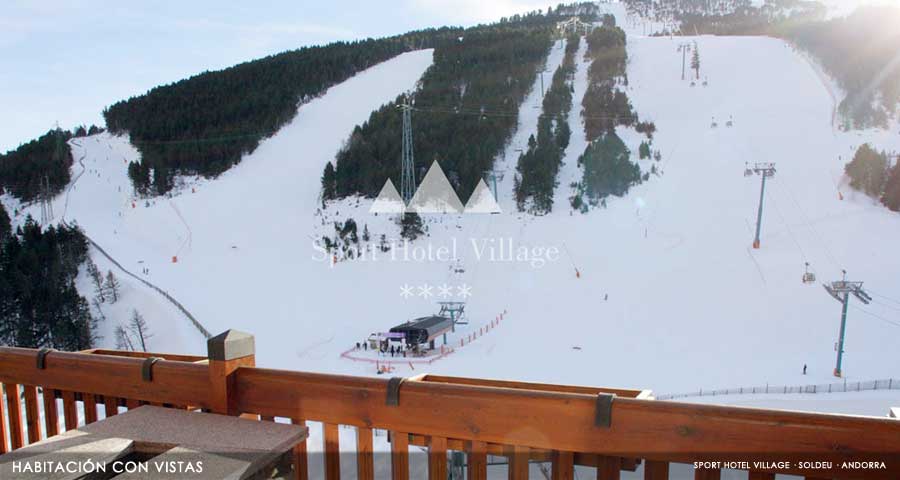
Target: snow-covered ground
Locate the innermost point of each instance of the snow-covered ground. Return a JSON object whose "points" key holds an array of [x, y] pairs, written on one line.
{"points": [[850, 403], [670, 296]]}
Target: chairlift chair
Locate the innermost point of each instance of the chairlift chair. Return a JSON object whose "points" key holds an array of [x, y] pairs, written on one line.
{"points": [[808, 277]]}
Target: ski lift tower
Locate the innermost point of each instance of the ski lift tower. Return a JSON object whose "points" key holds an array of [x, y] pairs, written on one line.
{"points": [[493, 176], [765, 170], [46, 200], [574, 25], [841, 292], [407, 175], [456, 311]]}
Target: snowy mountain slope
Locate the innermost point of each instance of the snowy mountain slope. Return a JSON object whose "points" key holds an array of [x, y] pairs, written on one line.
{"points": [[528, 119], [668, 281], [674, 256], [169, 330], [569, 172], [219, 224]]}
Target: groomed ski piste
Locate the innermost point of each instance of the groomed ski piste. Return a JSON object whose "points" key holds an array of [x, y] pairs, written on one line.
{"points": [[670, 296]]}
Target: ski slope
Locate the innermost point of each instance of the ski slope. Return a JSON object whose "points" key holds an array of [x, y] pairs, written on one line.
{"points": [[670, 295]]}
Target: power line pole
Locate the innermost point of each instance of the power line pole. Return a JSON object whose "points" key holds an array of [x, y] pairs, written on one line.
{"points": [[684, 47], [841, 292], [46, 201], [765, 170], [407, 175], [45, 216]]}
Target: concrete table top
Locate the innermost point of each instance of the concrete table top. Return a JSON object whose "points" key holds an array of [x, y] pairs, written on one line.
{"points": [[166, 442]]}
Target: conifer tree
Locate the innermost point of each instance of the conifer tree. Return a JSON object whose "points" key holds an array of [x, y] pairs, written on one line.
{"points": [[411, 226], [5, 224], [329, 183], [112, 287], [695, 61], [39, 303], [607, 168], [891, 196], [25, 171], [644, 150], [868, 170]]}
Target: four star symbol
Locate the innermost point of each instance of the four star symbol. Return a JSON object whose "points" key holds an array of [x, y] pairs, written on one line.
{"points": [[425, 291]]}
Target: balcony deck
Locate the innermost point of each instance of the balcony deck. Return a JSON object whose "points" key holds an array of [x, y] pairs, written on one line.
{"points": [[604, 428]]}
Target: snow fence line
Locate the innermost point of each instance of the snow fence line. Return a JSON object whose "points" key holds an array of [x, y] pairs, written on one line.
{"points": [[858, 386], [162, 292], [429, 359]]}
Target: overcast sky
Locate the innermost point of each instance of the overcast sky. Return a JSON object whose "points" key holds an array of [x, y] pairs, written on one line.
{"points": [[65, 60]]}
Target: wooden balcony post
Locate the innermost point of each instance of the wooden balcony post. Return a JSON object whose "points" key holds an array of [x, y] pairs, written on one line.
{"points": [[563, 465], [477, 457], [399, 455], [14, 410], [365, 462], [331, 445], [518, 462], [437, 458], [227, 352], [4, 447], [608, 468], [51, 412], [32, 414], [655, 470]]}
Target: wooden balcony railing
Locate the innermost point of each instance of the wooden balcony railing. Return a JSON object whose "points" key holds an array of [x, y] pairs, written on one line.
{"points": [[525, 422]]}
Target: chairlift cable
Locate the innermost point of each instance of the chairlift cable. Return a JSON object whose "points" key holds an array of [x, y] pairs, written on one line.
{"points": [[879, 317], [788, 228], [883, 296]]}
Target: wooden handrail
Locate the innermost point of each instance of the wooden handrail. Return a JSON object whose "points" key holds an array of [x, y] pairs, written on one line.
{"points": [[546, 387], [174, 382], [168, 356], [565, 421], [522, 420]]}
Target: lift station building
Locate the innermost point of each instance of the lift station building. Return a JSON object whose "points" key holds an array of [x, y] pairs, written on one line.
{"points": [[425, 330]]}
